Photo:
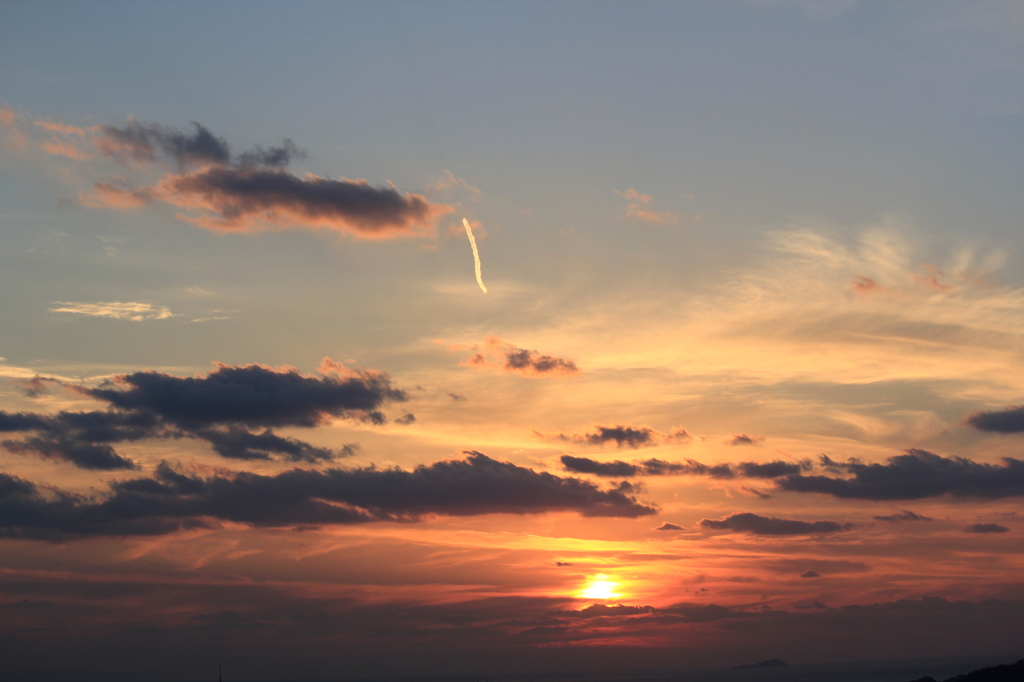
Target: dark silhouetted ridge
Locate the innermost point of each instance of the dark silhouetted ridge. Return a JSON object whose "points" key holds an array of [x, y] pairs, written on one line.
{"points": [[998, 673]]}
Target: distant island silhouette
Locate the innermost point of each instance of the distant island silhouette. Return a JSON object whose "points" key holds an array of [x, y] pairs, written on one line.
{"points": [[770, 663], [998, 673]]}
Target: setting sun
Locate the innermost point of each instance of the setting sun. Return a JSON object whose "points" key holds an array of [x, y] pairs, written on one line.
{"points": [[600, 587]]}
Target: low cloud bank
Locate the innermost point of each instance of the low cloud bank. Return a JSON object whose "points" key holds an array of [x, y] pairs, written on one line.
{"points": [[763, 525], [657, 467], [171, 500], [220, 408], [914, 475]]}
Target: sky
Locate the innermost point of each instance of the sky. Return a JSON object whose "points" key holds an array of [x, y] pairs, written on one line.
{"points": [[723, 365]]}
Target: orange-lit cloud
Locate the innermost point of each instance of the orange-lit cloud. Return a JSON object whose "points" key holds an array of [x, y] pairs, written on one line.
{"points": [[117, 310], [504, 356]]}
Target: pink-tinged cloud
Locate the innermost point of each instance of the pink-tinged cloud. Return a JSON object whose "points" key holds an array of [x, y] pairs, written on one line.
{"points": [[141, 142], [116, 195], [10, 136], [60, 128], [65, 140], [865, 285], [931, 278], [639, 208], [504, 356], [448, 186], [66, 148]]}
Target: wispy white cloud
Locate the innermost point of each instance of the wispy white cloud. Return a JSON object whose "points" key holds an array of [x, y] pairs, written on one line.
{"points": [[117, 310], [448, 186]]}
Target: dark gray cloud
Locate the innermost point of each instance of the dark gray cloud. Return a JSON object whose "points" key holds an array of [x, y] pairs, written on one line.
{"points": [[95, 456], [170, 499], [810, 574], [252, 395], [81, 438], [248, 197], [521, 359], [986, 528], [21, 421], [650, 467], [218, 408], [1010, 420], [903, 516], [756, 493], [276, 157], [658, 467], [668, 526], [253, 190], [238, 443], [624, 435], [744, 439], [914, 475], [139, 141], [771, 469], [585, 465], [510, 358], [36, 386], [601, 610], [763, 525]]}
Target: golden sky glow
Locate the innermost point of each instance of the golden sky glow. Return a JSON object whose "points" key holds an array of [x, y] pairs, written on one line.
{"points": [[745, 383]]}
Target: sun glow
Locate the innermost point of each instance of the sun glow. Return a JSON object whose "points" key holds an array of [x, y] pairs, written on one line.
{"points": [[600, 586]]}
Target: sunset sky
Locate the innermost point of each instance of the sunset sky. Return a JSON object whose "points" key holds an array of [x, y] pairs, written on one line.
{"points": [[745, 381]]}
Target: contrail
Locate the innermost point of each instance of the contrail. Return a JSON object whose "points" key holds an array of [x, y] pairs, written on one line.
{"points": [[476, 255]]}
